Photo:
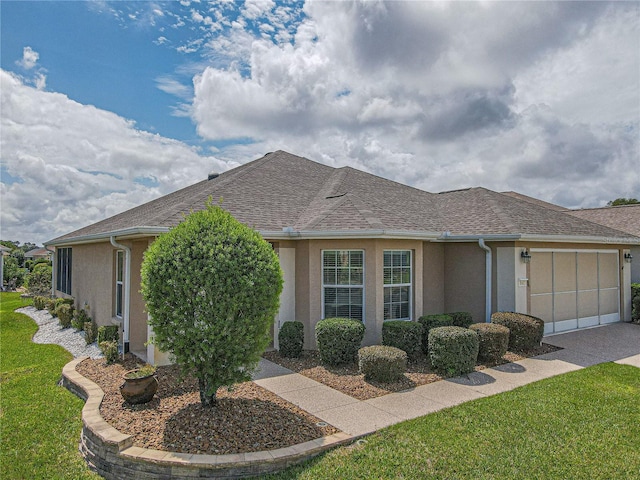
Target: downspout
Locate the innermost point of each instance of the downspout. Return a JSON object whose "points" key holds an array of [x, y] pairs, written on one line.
{"points": [[487, 271], [53, 270], [127, 290]]}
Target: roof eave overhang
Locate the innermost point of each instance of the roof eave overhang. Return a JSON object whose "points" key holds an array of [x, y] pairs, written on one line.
{"points": [[289, 234], [580, 239], [124, 234]]}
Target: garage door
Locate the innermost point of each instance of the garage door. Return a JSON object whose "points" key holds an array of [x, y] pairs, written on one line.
{"points": [[574, 289]]}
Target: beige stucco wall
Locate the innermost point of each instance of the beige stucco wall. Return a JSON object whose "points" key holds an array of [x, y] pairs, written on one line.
{"points": [[92, 280], [433, 278], [309, 281], [464, 279], [137, 313]]}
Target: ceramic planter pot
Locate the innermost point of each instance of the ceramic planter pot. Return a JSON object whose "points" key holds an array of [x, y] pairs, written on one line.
{"points": [[138, 390]]}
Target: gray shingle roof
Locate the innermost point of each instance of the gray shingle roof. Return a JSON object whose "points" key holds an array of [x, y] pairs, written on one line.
{"points": [[625, 218], [282, 190]]}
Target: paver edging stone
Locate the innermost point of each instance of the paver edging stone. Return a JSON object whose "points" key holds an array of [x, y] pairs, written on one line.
{"points": [[112, 454]]}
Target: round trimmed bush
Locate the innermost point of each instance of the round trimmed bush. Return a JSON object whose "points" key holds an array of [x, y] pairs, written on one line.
{"points": [[382, 363], [65, 315], [461, 319], [406, 336], [453, 350], [432, 321], [525, 331], [493, 340], [291, 339], [338, 340]]}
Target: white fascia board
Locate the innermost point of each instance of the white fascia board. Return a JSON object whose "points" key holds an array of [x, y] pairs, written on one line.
{"points": [[104, 237], [580, 239]]}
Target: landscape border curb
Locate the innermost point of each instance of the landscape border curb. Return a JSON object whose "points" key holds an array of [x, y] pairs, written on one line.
{"points": [[112, 454]]}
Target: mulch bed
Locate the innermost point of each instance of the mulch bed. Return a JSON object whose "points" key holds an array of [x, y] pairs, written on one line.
{"points": [[247, 419], [349, 381]]}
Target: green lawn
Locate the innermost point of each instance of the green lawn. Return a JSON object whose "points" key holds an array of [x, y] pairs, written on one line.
{"points": [[582, 425], [39, 421]]}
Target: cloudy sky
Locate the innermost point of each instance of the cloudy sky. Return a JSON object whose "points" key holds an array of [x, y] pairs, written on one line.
{"points": [[106, 105]]}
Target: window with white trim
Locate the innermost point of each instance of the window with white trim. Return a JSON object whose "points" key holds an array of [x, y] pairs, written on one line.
{"points": [[119, 281], [343, 284], [63, 270], [397, 284]]}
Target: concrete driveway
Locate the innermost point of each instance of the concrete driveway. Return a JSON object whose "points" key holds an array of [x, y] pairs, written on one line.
{"points": [[617, 342]]}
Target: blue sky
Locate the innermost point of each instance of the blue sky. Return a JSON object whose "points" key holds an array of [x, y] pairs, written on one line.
{"points": [[106, 105]]}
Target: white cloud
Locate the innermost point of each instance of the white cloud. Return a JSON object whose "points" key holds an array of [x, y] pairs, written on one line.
{"points": [[541, 98], [78, 164], [29, 58]]}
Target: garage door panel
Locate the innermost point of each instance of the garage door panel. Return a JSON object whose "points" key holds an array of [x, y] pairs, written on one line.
{"points": [[564, 272], [608, 266], [587, 271], [541, 272], [588, 304], [542, 307], [565, 306], [609, 300]]}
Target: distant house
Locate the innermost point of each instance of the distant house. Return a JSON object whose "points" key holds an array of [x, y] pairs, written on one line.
{"points": [[352, 244], [37, 253]]}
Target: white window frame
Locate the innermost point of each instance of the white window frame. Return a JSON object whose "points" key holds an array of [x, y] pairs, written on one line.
{"points": [[119, 304], [391, 285], [360, 286]]}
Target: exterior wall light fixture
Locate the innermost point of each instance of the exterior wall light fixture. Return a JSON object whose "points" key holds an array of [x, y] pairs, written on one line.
{"points": [[628, 257], [525, 256]]}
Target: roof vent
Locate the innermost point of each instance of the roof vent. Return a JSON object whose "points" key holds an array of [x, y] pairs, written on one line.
{"points": [[213, 175]]}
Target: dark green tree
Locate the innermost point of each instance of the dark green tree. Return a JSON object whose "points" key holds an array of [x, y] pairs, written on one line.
{"points": [[39, 280], [622, 201], [212, 288]]}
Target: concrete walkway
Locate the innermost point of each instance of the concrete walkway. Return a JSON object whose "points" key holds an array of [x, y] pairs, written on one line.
{"points": [[618, 342]]}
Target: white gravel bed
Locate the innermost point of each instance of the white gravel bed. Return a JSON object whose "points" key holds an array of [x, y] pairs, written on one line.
{"points": [[50, 331]]}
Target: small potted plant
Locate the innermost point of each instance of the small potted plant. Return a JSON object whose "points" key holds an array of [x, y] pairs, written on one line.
{"points": [[140, 385]]}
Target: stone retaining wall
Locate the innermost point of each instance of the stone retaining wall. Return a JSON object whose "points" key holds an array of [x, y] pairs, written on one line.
{"points": [[112, 454]]}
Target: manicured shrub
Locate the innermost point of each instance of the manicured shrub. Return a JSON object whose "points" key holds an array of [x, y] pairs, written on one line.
{"points": [[65, 315], [453, 350], [108, 333], [51, 306], [382, 363], [291, 339], [635, 302], [212, 288], [461, 319], [525, 331], [40, 302], [57, 302], [338, 340], [406, 336], [432, 321], [39, 280], [109, 350], [90, 332], [493, 340]]}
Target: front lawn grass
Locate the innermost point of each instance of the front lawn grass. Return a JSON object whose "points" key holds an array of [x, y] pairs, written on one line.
{"points": [[40, 422], [581, 425]]}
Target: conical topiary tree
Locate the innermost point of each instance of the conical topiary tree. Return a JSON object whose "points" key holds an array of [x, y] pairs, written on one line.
{"points": [[212, 288]]}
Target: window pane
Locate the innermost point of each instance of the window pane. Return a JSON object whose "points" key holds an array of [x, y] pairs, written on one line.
{"points": [[387, 259], [330, 276], [119, 300], [406, 275], [343, 276], [356, 276], [356, 258]]}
